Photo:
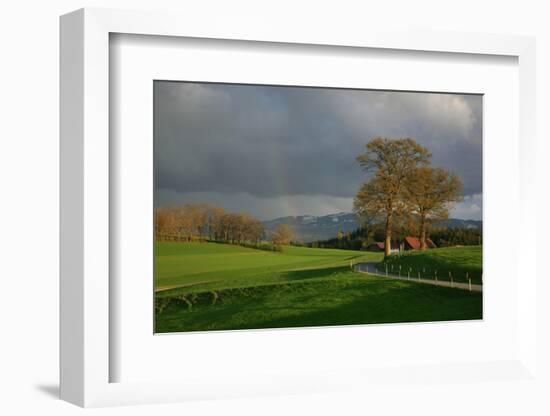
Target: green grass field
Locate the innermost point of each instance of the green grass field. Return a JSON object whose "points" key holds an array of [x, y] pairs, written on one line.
{"points": [[457, 260], [205, 266], [209, 286]]}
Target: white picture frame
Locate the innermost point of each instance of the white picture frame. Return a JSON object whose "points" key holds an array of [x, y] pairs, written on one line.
{"points": [[86, 355]]}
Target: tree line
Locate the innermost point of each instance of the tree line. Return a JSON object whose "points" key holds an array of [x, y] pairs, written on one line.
{"points": [[201, 222], [448, 237], [403, 191], [208, 222], [363, 237]]}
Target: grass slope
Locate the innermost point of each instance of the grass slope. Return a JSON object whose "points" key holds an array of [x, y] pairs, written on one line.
{"points": [[457, 260], [341, 299], [208, 286], [192, 267]]}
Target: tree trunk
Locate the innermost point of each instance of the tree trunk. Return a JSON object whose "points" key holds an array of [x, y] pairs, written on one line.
{"points": [[423, 245], [387, 244]]}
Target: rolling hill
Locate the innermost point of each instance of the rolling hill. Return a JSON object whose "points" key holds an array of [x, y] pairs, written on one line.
{"points": [[211, 286]]}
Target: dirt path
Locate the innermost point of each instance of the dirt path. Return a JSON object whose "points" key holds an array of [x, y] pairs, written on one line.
{"points": [[370, 268]]}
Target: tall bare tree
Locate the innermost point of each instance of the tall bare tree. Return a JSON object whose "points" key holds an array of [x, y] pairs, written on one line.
{"points": [[214, 221], [391, 161], [165, 223], [254, 230], [186, 222], [431, 192]]}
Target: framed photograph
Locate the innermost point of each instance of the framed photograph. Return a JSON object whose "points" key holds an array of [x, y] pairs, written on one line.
{"points": [[287, 206], [299, 213]]}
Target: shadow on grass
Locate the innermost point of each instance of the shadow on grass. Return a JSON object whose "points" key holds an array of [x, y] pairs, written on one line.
{"points": [[325, 304], [306, 274], [291, 276]]}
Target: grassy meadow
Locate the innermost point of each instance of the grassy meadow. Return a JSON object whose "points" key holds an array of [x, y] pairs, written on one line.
{"points": [[457, 260], [211, 286]]}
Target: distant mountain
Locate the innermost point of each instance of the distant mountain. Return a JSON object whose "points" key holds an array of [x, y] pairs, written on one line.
{"points": [[312, 228], [456, 223]]}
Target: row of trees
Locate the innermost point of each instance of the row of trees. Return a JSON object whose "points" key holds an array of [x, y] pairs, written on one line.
{"points": [[202, 222], [207, 222], [404, 190]]}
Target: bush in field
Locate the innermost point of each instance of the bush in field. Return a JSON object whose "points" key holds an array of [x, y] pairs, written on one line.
{"points": [[283, 234]]}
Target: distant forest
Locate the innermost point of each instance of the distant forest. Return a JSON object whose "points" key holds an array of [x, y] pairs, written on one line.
{"points": [[362, 237], [207, 222]]}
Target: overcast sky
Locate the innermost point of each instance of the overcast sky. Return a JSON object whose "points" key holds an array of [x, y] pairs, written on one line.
{"points": [[275, 151]]}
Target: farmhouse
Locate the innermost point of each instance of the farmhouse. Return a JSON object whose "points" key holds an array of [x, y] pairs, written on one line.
{"points": [[408, 243], [379, 246], [375, 247], [413, 243]]}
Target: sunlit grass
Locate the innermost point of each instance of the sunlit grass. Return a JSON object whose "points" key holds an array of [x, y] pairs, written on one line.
{"points": [[208, 286], [460, 261]]}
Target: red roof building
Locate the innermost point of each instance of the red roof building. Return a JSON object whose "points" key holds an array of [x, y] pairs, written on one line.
{"points": [[413, 243], [379, 246], [409, 243]]}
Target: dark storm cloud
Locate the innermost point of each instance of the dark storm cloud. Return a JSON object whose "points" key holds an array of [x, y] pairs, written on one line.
{"points": [[277, 141]]}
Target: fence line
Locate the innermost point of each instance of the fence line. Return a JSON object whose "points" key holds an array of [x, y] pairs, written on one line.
{"points": [[370, 268]]}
